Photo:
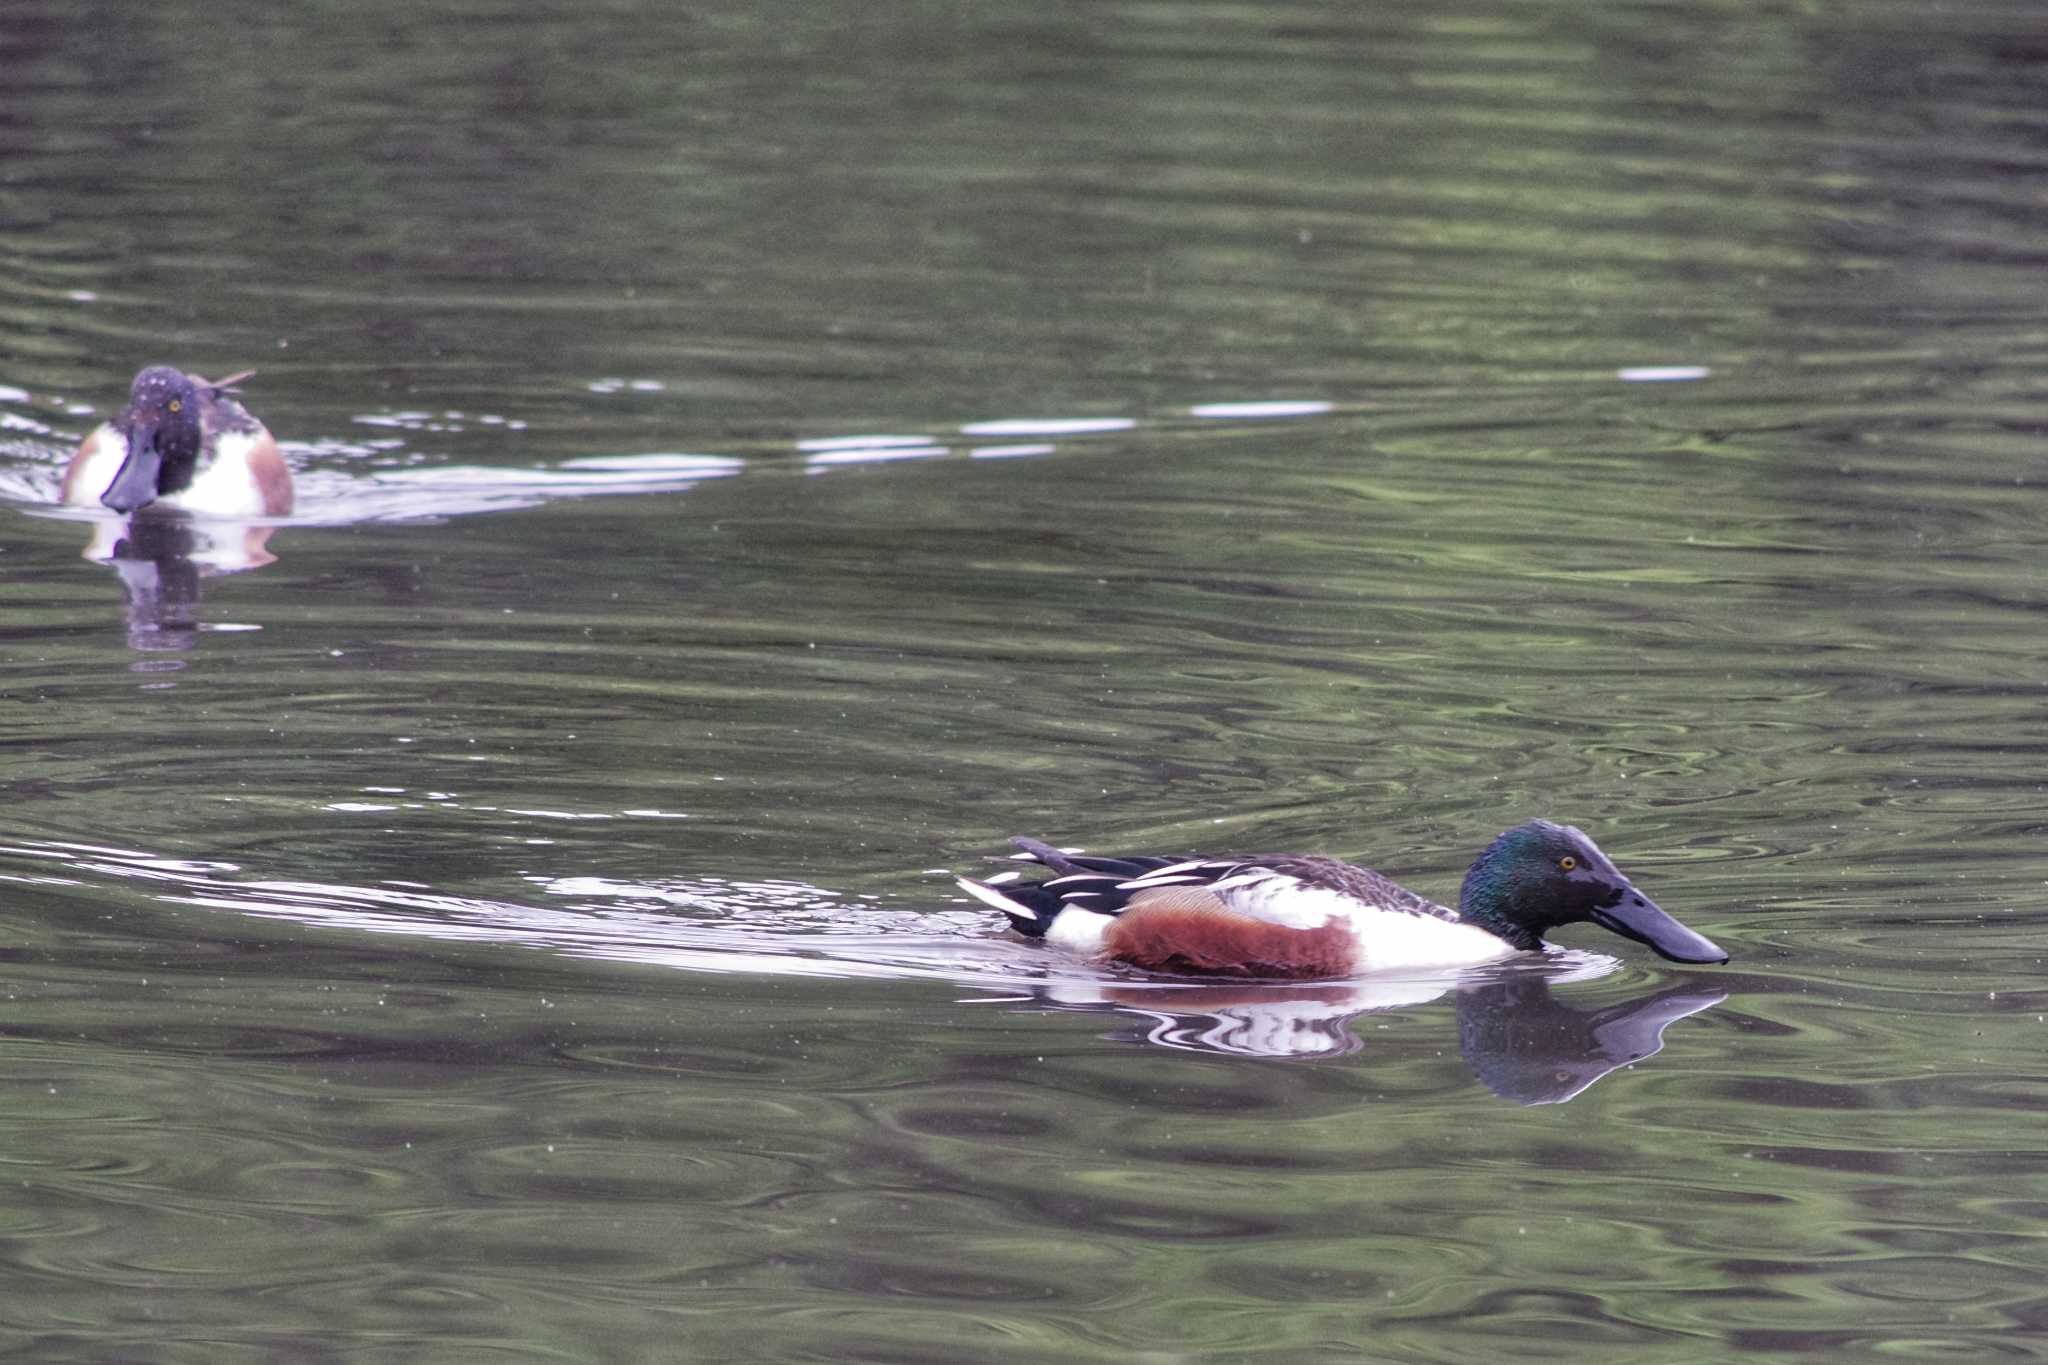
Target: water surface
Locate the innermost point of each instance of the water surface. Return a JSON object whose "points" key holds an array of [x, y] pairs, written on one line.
{"points": [[754, 460]]}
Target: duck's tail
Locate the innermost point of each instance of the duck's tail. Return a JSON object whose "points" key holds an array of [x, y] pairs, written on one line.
{"points": [[1030, 906]]}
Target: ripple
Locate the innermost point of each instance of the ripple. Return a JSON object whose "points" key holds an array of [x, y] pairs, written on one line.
{"points": [[1254, 411], [826, 459], [828, 444], [1048, 426], [1662, 374]]}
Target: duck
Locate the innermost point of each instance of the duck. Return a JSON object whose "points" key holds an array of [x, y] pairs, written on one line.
{"points": [[1299, 917], [183, 442]]}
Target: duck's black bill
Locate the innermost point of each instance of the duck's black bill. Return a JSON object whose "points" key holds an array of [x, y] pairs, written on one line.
{"points": [[135, 485], [1636, 916]]}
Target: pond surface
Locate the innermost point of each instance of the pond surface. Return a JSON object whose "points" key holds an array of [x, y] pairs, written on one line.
{"points": [[755, 458]]}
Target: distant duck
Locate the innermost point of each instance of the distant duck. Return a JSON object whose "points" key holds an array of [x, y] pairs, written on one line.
{"points": [[1302, 916], [184, 442]]}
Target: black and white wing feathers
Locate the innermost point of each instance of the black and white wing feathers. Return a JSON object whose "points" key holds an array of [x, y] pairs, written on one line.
{"points": [[1285, 888]]}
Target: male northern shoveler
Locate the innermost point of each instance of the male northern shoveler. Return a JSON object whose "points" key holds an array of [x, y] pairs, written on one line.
{"points": [[184, 442], [1303, 916]]}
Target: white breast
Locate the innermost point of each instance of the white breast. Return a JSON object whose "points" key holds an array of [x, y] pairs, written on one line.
{"points": [[227, 486], [104, 453], [1391, 939]]}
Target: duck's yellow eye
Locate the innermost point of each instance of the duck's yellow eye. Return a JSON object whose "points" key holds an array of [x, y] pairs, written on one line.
{"points": [[1567, 862], [177, 405]]}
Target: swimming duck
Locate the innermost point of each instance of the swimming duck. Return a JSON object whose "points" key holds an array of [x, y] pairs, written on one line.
{"points": [[184, 442], [1304, 916]]}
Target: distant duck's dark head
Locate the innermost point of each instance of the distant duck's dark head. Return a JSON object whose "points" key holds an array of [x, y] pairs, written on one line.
{"points": [[161, 426], [1539, 876]]}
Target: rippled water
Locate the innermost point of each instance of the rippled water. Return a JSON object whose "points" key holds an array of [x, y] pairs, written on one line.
{"points": [[752, 460]]}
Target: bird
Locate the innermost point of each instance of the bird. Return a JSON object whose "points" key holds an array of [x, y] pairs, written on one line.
{"points": [[1296, 916], [184, 442]]}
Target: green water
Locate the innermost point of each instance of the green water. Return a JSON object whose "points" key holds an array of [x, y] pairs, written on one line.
{"points": [[513, 923]]}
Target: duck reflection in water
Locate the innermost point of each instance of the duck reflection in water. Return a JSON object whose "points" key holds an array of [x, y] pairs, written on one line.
{"points": [[1522, 1042], [161, 555]]}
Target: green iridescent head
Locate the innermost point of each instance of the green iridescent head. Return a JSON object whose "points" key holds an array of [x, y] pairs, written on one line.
{"points": [[1538, 876]]}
